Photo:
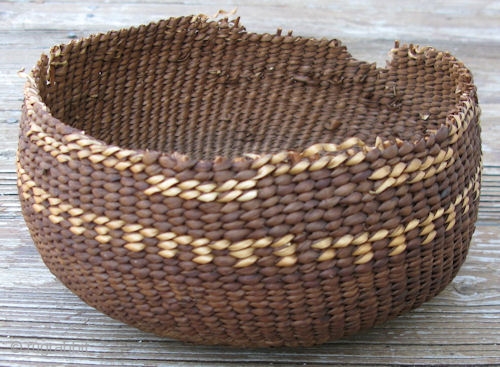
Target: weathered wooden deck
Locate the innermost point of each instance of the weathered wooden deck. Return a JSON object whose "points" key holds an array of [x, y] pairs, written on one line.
{"points": [[44, 324]]}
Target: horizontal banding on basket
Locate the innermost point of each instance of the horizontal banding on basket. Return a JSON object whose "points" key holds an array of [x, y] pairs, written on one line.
{"points": [[208, 181], [77, 219]]}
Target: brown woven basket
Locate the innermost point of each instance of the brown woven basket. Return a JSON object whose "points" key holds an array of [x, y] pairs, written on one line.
{"points": [[218, 186]]}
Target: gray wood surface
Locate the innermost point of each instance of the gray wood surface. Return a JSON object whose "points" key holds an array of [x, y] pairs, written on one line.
{"points": [[44, 324]]}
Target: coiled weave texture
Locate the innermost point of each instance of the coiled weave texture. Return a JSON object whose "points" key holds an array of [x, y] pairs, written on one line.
{"points": [[224, 187]]}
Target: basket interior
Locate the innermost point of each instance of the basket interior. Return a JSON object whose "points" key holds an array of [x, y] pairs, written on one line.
{"points": [[210, 89]]}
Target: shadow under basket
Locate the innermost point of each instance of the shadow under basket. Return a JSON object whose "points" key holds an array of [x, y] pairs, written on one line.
{"points": [[217, 186]]}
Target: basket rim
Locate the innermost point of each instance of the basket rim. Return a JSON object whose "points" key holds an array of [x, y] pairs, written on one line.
{"points": [[451, 128]]}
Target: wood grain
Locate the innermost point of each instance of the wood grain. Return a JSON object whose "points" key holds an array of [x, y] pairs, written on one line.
{"points": [[44, 324]]}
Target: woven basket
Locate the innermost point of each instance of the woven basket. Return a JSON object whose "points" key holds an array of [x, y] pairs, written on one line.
{"points": [[205, 183]]}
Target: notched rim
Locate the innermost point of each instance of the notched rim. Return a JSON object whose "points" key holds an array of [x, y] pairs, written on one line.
{"points": [[452, 128]]}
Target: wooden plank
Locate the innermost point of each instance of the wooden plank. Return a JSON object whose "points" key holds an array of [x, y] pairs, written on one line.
{"points": [[447, 20]]}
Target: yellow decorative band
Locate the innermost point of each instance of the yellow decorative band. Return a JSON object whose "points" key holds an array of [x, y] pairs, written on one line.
{"points": [[284, 247], [276, 164]]}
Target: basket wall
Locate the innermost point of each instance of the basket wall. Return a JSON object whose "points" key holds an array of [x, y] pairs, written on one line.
{"points": [[223, 187]]}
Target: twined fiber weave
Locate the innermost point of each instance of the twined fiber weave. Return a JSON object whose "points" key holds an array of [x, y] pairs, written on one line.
{"points": [[217, 186]]}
